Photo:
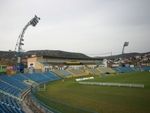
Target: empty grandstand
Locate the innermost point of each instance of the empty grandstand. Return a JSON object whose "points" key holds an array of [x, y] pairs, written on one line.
{"points": [[106, 70], [94, 71], [13, 88], [63, 73]]}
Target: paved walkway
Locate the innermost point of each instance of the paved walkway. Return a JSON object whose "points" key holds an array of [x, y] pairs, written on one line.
{"points": [[28, 106]]}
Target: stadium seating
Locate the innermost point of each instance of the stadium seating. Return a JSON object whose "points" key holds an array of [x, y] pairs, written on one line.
{"points": [[77, 72], [130, 69], [12, 104], [117, 70], [63, 73], [12, 86], [106, 70], [51, 76], [9, 89], [146, 68], [18, 77], [123, 69], [94, 71], [13, 82], [126, 69], [9, 95], [38, 78]]}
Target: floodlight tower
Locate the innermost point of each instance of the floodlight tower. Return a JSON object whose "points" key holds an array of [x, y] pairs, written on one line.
{"points": [[125, 44], [19, 43]]}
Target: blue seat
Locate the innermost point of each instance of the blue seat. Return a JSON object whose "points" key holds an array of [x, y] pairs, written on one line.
{"points": [[13, 82], [5, 108], [36, 77], [117, 70], [63, 73], [51, 76]]}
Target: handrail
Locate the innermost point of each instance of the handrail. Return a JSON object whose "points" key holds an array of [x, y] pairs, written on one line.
{"points": [[41, 104]]}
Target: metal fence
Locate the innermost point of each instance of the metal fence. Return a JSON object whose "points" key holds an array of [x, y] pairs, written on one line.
{"points": [[113, 84]]}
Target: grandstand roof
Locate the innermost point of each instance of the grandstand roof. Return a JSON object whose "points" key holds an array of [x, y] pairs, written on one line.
{"points": [[90, 58], [46, 60]]}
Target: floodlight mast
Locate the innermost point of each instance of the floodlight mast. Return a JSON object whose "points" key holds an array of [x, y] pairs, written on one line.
{"points": [[19, 43], [125, 44]]}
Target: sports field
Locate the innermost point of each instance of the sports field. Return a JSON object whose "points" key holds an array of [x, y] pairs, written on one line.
{"points": [[102, 99]]}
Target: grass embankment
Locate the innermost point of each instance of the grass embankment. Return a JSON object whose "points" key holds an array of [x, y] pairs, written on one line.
{"points": [[103, 99]]}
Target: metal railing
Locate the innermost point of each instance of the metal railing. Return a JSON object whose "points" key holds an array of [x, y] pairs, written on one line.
{"points": [[113, 84]]}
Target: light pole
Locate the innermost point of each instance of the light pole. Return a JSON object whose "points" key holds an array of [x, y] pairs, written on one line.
{"points": [[125, 44], [19, 43]]}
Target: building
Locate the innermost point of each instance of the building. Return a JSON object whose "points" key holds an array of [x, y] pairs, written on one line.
{"points": [[48, 63]]}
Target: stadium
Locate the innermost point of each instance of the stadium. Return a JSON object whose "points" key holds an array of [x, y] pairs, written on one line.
{"points": [[78, 86], [57, 81], [54, 84]]}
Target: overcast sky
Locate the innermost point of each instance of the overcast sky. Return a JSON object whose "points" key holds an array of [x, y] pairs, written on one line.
{"points": [[92, 27]]}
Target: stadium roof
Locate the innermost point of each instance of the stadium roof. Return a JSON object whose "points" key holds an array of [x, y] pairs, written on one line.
{"points": [[46, 56]]}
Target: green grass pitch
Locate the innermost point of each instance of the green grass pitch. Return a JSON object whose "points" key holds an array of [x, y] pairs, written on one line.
{"points": [[102, 99]]}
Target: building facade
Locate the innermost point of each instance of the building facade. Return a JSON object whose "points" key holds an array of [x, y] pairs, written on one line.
{"points": [[48, 63]]}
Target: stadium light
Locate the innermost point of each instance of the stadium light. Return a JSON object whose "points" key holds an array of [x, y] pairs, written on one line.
{"points": [[18, 47], [34, 21], [125, 44]]}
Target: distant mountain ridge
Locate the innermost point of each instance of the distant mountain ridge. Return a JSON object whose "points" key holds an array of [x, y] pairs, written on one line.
{"points": [[58, 53], [125, 55], [54, 53]]}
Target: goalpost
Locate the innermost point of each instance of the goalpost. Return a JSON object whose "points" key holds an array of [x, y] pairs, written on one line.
{"points": [[41, 87]]}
